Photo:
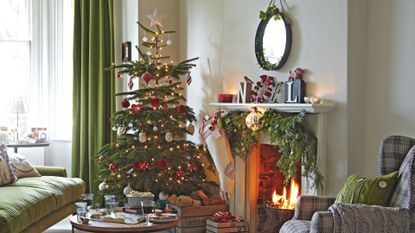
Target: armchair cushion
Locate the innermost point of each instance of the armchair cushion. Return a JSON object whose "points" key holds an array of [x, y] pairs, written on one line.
{"points": [[376, 191]]}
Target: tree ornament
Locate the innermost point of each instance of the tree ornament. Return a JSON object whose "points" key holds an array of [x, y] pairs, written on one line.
{"points": [[103, 186], [155, 102], [145, 39], [253, 120], [112, 166], [130, 125], [114, 128], [141, 166], [149, 53], [161, 164], [169, 42], [155, 128], [169, 136], [121, 130], [155, 19], [180, 173], [191, 128], [146, 76], [101, 157], [142, 137], [135, 107], [125, 103], [192, 168], [166, 107], [181, 108], [127, 190]]}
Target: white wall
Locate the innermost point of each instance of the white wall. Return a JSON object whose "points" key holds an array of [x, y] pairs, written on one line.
{"points": [[389, 87], [322, 52]]}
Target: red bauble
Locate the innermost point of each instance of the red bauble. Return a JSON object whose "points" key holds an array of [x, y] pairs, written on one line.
{"points": [[182, 108], [180, 173], [192, 167], [125, 103], [147, 76], [136, 107], [112, 166], [155, 102], [141, 166], [162, 164]]}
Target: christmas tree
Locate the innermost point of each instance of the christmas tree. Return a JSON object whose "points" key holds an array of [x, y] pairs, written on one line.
{"points": [[151, 152]]}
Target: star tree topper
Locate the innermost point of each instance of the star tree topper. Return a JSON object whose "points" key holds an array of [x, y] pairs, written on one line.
{"points": [[155, 18]]}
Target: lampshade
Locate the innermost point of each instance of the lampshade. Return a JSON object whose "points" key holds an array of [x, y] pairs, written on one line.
{"points": [[18, 105]]}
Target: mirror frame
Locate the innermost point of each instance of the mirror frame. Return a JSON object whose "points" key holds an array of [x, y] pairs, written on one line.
{"points": [[259, 52]]}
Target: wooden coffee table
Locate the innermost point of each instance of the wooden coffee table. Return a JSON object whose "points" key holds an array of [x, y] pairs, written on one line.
{"points": [[98, 226]]}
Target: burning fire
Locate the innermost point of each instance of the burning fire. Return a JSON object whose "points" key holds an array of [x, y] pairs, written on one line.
{"points": [[282, 201]]}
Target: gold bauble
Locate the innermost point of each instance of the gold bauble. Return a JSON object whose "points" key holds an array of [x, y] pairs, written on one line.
{"points": [[253, 120]]}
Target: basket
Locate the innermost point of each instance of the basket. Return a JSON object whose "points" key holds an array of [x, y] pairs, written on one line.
{"points": [[135, 202]]}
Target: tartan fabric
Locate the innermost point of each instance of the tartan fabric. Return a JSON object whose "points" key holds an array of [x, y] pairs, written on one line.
{"points": [[307, 205], [404, 195], [295, 226], [392, 152], [322, 222]]}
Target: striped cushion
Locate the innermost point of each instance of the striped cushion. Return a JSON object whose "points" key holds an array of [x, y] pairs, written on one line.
{"points": [[7, 175]]}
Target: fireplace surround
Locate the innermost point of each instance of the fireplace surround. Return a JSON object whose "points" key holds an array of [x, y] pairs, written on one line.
{"points": [[244, 200]]}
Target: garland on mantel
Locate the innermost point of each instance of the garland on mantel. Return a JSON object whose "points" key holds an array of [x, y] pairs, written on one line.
{"points": [[286, 131]]}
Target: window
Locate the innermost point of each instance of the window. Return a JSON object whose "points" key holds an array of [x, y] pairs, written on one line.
{"points": [[36, 62]]}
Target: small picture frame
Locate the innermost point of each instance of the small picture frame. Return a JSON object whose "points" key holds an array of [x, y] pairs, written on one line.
{"points": [[126, 51]]}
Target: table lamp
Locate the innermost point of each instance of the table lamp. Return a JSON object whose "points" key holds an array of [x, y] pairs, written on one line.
{"points": [[17, 105]]}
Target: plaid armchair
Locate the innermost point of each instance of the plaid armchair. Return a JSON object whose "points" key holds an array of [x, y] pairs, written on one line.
{"points": [[397, 153]]}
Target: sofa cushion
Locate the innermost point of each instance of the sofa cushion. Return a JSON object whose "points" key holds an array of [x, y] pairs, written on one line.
{"points": [[65, 190], [21, 166], [7, 175], [21, 206]]}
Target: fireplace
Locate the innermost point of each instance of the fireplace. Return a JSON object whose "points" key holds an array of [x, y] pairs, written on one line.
{"points": [[244, 199]]}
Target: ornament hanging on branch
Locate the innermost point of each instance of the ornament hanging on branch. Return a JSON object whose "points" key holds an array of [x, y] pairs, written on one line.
{"points": [[253, 120], [146, 77], [127, 190], [180, 174], [142, 166], [103, 186], [125, 103], [191, 128], [181, 108], [155, 102], [112, 166], [169, 136], [142, 137], [166, 107], [135, 107], [121, 130], [161, 164], [155, 128]]}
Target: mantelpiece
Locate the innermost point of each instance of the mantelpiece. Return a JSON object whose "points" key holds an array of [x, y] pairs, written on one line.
{"points": [[244, 191]]}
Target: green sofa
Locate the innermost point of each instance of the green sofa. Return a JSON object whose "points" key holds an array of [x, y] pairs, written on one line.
{"points": [[33, 204]]}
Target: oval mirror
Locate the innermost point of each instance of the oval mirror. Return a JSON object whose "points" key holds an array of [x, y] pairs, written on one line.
{"points": [[273, 42]]}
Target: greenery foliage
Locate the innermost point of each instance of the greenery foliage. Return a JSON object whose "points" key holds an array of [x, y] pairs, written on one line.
{"points": [[272, 11], [295, 143]]}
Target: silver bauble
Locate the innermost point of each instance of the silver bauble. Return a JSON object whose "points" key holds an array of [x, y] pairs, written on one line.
{"points": [[169, 136], [103, 186], [127, 190], [142, 137], [253, 120], [155, 128], [130, 125]]}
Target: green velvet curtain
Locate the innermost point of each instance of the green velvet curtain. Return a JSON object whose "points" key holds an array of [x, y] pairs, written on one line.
{"points": [[93, 88]]}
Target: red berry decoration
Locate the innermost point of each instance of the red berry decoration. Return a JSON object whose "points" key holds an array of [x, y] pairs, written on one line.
{"points": [[182, 108], [112, 166], [180, 173], [155, 102], [136, 107], [125, 103], [162, 164], [147, 76], [141, 166]]}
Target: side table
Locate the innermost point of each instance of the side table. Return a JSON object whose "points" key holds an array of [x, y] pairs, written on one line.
{"points": [[17, 146]]}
